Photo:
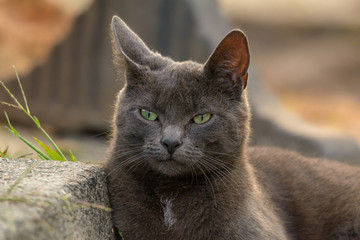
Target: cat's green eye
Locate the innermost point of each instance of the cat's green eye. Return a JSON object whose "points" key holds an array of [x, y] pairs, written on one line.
{"points": [[202, 118], [149, 115]]}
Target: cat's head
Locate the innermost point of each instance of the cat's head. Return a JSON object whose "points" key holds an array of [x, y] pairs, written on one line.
{"points": [[179, 118]]}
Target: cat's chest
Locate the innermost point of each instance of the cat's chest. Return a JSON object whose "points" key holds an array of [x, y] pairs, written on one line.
{"points": [[168, 212], [186, 212]]}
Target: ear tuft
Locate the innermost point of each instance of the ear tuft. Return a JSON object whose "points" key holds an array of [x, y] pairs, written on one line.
{"points": [[230, 60]]}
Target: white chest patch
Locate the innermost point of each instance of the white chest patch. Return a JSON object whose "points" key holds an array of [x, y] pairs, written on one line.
{"points": [[169, 217]]}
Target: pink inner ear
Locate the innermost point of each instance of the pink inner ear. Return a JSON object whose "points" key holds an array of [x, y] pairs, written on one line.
{"points": [[239, 62], [236, 45], [231, 56], [239, 65]]}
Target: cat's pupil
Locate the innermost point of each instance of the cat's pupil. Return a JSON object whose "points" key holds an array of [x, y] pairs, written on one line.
{"points": [[149, 114], [202, 117]]}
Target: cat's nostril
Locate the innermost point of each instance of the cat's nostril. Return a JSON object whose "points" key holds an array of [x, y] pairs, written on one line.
{"points": [[171, 144]]}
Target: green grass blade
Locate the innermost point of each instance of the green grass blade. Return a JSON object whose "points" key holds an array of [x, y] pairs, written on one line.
{"points": [[38, 151], [121, 235], [72, 156], [52, 154], [53, 143], [57, 149], [4, 153], [37, 122], [16, 133], [12, 129]]}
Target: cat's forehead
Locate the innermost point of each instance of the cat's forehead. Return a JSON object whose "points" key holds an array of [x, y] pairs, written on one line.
{"points": [[176, 75], [177, 88]]}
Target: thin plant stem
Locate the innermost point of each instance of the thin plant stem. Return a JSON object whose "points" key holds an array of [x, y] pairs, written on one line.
{"points": [[10, 105], [13, 97], [22, 90]]}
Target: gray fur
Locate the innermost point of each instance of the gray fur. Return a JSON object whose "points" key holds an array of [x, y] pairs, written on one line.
{"points": [[212, 186]]}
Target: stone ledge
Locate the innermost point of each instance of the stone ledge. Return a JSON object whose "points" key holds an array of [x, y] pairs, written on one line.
{"points": [[55, 200]]}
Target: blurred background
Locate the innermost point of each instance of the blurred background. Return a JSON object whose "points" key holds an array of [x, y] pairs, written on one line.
{"points": [[306, 53]]}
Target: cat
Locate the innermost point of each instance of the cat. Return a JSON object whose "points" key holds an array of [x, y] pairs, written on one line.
{"points": [[180, 166]]}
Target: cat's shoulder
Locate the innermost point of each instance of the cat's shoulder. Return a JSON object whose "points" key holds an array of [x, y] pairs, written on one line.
{"points": [[271, 159], [326, 191]]}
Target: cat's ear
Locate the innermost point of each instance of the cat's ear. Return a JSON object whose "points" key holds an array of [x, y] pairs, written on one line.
{"points": [[230, 61], [130, 46]]}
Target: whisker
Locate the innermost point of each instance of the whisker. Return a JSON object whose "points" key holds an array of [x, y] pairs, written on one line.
{"points": [[206, 177], [136, 164], [219, 153], [215, 171], [192, 174], [124, 153], [222, 171], [147, 169], [125, 162], [121, 148]]}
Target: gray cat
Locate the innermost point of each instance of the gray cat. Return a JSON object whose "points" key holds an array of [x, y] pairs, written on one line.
{"points": [[180, 166]]}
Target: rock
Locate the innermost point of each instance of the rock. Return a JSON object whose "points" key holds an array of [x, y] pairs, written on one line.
{"points": [[55, 200]]}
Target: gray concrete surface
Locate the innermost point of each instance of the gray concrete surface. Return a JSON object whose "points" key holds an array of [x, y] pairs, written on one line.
{"points": [[55, 200]]}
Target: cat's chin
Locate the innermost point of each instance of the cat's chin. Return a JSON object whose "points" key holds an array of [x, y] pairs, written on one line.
{"points": [[171, 167]]}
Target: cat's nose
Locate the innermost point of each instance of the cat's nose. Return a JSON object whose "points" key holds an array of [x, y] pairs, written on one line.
{"points": [[171, 144], [171, 138]]}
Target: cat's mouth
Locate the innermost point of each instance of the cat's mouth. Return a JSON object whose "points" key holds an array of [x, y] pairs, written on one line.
{"points": [[170, 161], [171, 166]]}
